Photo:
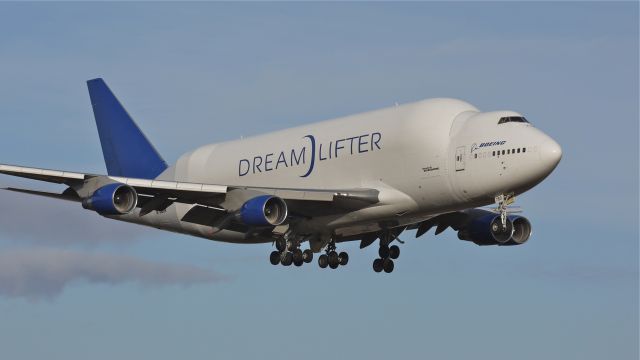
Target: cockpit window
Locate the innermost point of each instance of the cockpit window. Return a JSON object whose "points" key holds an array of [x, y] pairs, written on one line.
{"points": [[512, 119]]}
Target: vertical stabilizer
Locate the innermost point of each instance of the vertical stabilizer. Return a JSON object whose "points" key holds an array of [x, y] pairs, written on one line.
{"points": [[126, 150]]}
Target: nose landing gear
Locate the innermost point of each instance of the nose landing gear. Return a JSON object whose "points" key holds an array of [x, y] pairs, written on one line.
{"points": [[502, 202]]}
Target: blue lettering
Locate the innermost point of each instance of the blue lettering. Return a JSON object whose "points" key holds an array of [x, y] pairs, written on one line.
{"points": [[376, 141], [320, 154], [256, 165], [361, 143], [338, 147], [297, 159], [246, 171], [351, 145], [364, 143], [281, 159], [267, 162]]}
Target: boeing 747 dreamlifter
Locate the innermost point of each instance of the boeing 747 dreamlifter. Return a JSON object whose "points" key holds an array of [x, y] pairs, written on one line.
{"points": [[365, 177]]}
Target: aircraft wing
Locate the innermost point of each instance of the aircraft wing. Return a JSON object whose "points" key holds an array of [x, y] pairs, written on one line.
{"points": [[52, 176], [160, 193], [142, 186]]}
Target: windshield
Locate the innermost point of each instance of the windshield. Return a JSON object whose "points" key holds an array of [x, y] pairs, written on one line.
{"points": [[507, 119]]}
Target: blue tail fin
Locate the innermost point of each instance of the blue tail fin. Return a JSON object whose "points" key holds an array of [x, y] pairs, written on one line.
{"points": [[126, 150]]}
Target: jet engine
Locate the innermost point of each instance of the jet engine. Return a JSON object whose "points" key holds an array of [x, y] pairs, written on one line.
{"points": [[521, 230], [485, 228], [112, 199], [263, 210]]}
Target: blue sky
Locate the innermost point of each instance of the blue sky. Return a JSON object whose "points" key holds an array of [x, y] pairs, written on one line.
{"points": [[73, 285]]}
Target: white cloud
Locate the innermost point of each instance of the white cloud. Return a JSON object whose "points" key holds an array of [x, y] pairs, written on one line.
{"points": [[43, 273]]}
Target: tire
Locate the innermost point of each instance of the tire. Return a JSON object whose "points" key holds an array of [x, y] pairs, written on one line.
{"points": [[307, 256], [394, 252], [287, 259], [297, 256], [388, 265], [383, 251], [298, 262], [281, 244], [274, 258], [323, 261], [377, 265], [343, 258], [334, 260]]}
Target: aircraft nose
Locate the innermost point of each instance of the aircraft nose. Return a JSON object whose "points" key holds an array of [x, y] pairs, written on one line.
{"points": [[550, 154]]}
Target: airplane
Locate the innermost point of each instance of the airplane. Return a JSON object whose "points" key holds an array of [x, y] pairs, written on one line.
{"points": [[366, 177]]}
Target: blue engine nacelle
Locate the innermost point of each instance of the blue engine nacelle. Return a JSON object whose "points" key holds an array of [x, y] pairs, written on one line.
{"points": [[112, 199], [263, 210], [485, 228]]}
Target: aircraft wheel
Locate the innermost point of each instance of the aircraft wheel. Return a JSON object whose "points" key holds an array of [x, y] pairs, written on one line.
{"points": [[343, 258], [274, 258], [383, 251], [287, 259], [377, 265], [388, 265], [298, 262], [334, 259], [281, 244], [297, 256], [323, 261], [394, 252], [307, 256]]}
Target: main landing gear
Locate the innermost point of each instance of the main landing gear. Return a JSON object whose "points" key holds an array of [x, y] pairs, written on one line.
{"points": [[385, 261], [332, 258], [289, 253], [387, 253]]}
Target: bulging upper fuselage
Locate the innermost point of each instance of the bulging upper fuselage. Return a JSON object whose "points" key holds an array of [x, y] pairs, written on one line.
{"points": [[425, 158]]}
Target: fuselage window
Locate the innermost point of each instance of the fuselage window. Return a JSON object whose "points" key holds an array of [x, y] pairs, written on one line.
{"points": [[524, 149], [518, 150], [513, 151], [475, 156], [508, 151], [502, 152]]}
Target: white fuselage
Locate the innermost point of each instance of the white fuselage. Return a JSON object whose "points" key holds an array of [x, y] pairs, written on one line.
{"points": [[425, 158]]}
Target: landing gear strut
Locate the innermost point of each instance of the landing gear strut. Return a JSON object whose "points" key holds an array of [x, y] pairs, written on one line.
{"points": [[331, 258]]}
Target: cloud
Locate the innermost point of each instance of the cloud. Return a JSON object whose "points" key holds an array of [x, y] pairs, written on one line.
{"points": [[42, 273], [55, 222]]}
